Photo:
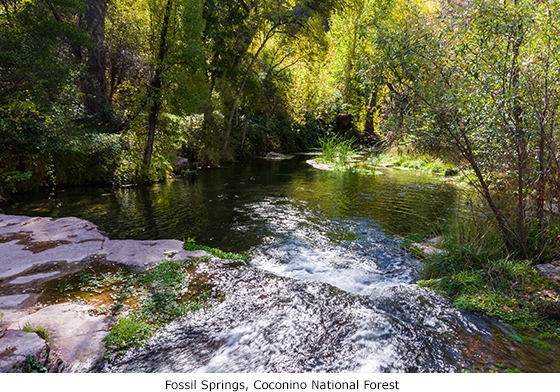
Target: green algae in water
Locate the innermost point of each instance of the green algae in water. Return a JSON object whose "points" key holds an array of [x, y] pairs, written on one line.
{"points": [[529, 340]]}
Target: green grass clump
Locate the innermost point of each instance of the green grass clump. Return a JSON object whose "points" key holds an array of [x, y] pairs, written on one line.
{"points": [[417, 161], [166, 297], [191, 245], [43, 332], [337, 151], [128, 332]]}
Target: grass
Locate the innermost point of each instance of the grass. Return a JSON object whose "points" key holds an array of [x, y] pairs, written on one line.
{"points": [[154, 298], [43, 332], [191, 245], [417, 161], [144, 301], [477, 275], [337, 151]]}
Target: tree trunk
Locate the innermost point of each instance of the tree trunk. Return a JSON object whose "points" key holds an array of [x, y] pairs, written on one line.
{"points": [[96, 101], [350, 60], [249, 69], [155, 86], [369, 130], [520, 136]]}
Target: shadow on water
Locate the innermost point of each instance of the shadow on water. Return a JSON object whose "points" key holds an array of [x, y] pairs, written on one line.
{"points": [[328, 288]]}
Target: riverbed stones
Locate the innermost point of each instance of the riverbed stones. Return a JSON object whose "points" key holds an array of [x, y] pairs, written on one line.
{"points": [[35, 251]]}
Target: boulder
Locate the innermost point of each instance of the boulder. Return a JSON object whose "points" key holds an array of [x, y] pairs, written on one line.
{"points": [[180, 165], [273, 154], [428, 246], [344, 123], [76, 333]]}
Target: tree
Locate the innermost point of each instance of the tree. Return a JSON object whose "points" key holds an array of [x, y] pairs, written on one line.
{"points": [[96, 101], [468, 79], [179, 26]]}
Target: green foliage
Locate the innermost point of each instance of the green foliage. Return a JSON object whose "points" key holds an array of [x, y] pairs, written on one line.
{"points": [[410, 159], [32, 366], [191, 245], [128, 332], [43, 332], [476, 273], [337, 151]]}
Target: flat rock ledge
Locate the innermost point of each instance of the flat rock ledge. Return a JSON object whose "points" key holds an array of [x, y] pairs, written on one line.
{"points": [[34, 251], [317, 165]]}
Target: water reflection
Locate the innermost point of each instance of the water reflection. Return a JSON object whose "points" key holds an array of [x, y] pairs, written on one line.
{"points": [[217, 207]]}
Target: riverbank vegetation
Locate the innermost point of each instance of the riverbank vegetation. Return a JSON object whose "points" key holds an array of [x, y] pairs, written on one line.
{"points": [[475, 271]]}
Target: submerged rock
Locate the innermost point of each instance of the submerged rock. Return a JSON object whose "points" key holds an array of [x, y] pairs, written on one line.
{"points": [[273, 154]]}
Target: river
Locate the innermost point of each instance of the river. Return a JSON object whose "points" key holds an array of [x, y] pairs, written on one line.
{"points": [[328, 289]]}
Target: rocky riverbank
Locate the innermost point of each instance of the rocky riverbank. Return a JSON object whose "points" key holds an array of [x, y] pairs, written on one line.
{"points": [[34, 252]]}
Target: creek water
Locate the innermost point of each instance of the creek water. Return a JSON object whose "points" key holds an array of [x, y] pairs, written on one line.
{"points": [[327, 288]]}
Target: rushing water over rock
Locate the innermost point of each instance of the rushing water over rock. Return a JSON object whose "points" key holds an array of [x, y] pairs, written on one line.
{"points": [[273, 324], [327, 290]]}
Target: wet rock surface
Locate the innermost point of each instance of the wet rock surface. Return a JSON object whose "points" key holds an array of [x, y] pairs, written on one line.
{"points": [[36, 251]]}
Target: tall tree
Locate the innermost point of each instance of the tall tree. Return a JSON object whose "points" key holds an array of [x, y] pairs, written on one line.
{"points": [[178, 25], [96, 101]]}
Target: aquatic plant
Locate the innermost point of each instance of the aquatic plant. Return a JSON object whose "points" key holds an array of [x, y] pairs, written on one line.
{"points": [[337, 151], [167, 296]]}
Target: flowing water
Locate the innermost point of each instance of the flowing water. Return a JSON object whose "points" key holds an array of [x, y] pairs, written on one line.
{"points": [[327, 288]]}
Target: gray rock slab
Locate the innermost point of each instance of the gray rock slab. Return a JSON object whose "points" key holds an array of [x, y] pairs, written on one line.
{"points": [[63, 229], [16, 258], [549, 271], [12, 301], [31, 278], [16, 345], [76, 335], [146, 254], [9, 306], [36, 250], [10, 220]]}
